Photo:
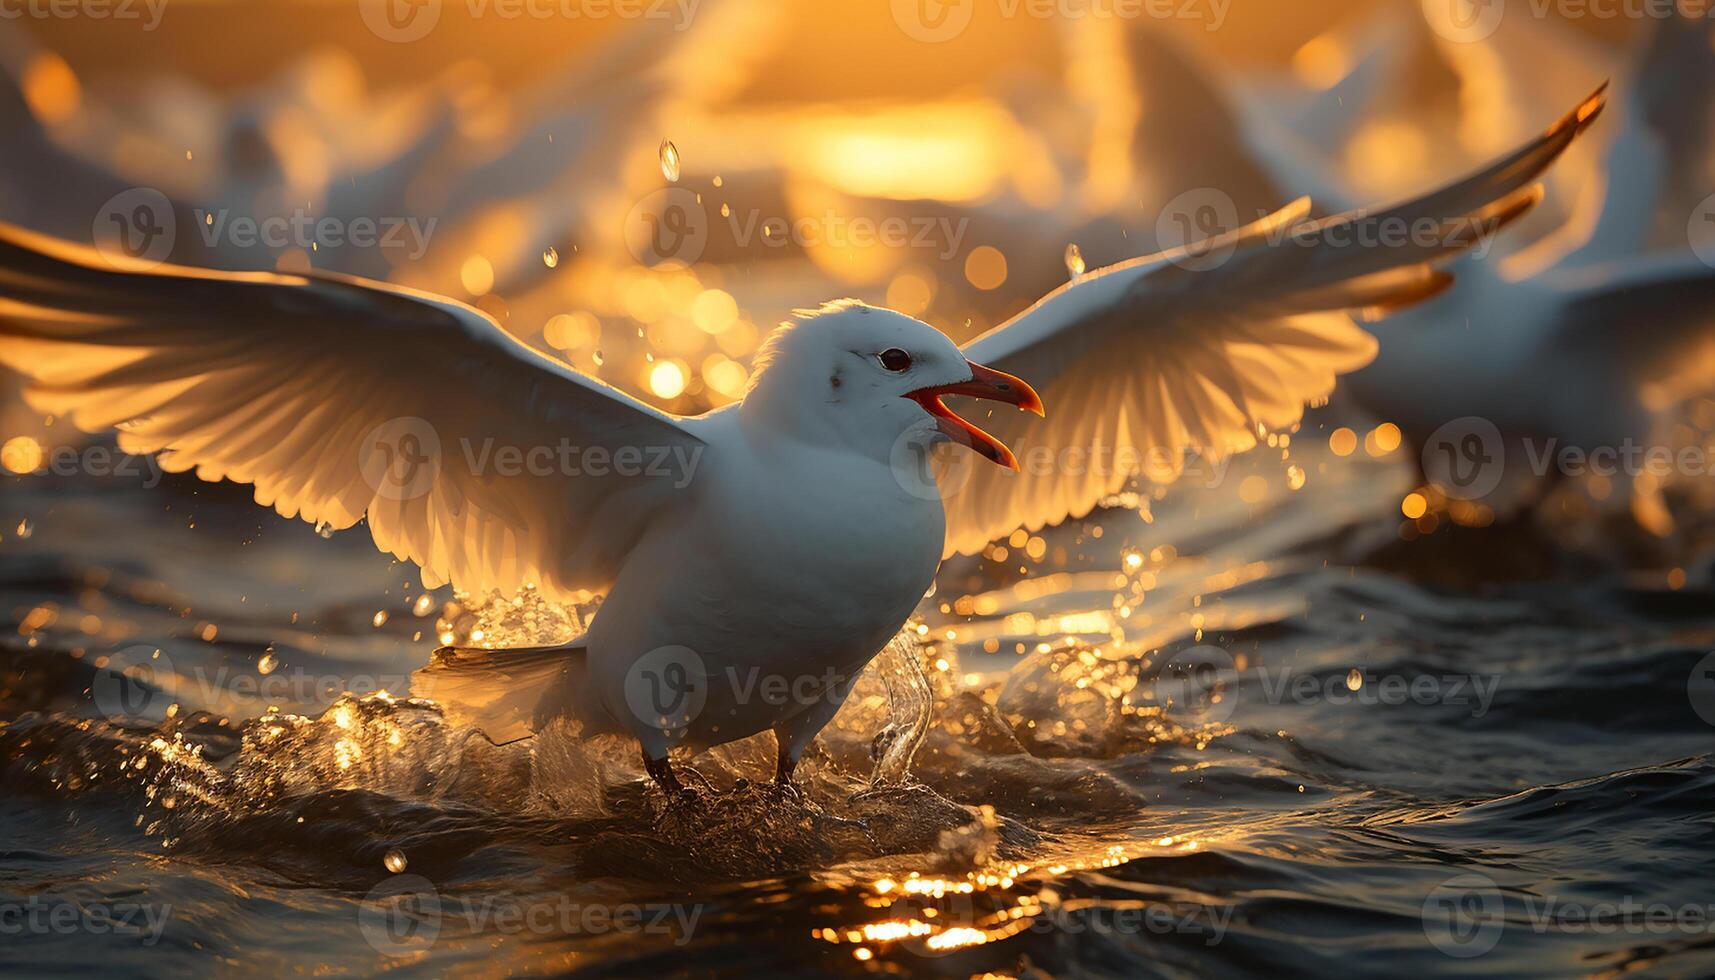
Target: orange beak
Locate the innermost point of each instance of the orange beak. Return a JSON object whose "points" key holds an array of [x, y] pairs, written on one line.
{"points": [[985, 383]]}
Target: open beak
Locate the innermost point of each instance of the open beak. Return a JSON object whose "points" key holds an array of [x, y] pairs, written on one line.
{"points": [[986, 383]]}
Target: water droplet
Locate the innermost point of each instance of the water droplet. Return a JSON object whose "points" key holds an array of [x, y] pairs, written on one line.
{"points": [[395, 860], [550, 258], [324, 529], [1074, 261], [1354, 680], [726, 210], [380, 618], [669, 160], [269, 662], [597, 358], [425, 604], [25, 529], [1295, 476], [717, 180]]}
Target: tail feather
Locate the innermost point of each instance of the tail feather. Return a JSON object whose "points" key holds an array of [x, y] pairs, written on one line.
{"points": [[502, 693]]}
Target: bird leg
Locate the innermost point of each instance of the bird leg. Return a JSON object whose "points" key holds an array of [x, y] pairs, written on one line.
{"points": [[785, 761], [661, 771]]}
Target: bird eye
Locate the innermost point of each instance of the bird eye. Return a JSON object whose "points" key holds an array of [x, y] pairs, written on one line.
{"points": [[894, 359]]}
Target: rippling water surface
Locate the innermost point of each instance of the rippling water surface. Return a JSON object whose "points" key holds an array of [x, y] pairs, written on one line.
{"points": [[1233, 737]]}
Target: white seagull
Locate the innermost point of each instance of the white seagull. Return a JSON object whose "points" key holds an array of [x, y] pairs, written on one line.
{"points": [[755, 558]]}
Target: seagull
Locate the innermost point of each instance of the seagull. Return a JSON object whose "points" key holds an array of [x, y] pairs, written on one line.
{"points": [[751, 560], [1579, 342]]}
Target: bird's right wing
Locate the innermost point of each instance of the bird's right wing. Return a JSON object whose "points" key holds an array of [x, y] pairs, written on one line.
{"points": [[490, 465], [1199, 349]]}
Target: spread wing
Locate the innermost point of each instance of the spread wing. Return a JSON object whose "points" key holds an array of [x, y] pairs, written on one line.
{"points": [[1196, 350], [469, 453]]}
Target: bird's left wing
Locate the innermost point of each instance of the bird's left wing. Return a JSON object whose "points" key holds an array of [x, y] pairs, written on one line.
{"points": [[490, 465], [1196, 350]]}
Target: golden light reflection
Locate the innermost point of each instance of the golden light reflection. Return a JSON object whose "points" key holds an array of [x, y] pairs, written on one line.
{"points": [[572, 331], [21, 454], [477, 275], [985, 267], [51, 89], [1321, 62], [949, 152], [1396, 148], [1342, 441], [667, 379]]}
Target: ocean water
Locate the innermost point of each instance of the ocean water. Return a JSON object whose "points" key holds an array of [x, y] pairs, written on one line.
{"points": [[1254, 732]]}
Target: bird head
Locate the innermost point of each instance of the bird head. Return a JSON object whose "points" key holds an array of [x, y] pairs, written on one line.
{"points": [[866, 378]]}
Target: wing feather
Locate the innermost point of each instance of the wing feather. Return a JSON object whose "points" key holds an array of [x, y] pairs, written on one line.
{"points": [[1199, 350], [309, 388]]}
